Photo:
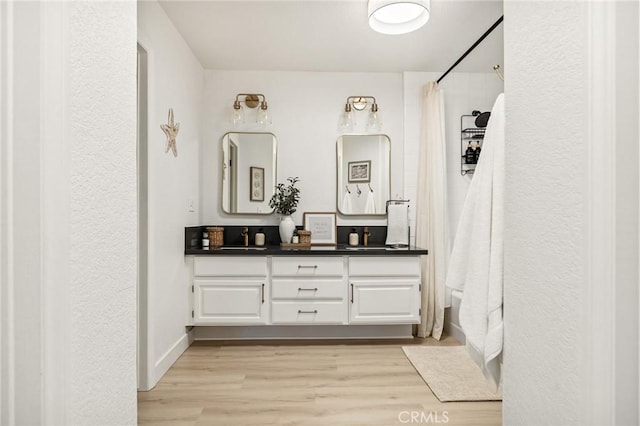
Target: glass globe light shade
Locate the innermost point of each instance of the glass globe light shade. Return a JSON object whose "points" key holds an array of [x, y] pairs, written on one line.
{"points": [[263, 117], [237, 115], [374, 121]]}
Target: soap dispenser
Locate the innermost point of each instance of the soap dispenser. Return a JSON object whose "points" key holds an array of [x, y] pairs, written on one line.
{"points": [[260, 237], [353, 237]]}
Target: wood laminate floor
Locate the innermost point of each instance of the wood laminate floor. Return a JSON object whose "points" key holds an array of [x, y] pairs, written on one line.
{"points": [[303, 383]]}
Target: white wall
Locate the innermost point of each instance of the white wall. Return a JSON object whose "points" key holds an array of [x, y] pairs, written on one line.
{"points": [[571, 211], [21, 230], [463, 93], [545, 205], [72, 178], [176, 80], [305, 108], [627, 130]]}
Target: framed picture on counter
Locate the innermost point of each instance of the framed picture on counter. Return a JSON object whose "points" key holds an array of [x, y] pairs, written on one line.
{"points": [[323, 227]]}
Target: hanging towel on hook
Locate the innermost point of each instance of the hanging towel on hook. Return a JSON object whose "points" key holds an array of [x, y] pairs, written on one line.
{"points": [[346, 203], [370, 206]]}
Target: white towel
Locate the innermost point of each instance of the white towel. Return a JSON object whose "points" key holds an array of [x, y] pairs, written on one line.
{"points": [[370, 206], [476, 263], [398, 224], [346, 203]]}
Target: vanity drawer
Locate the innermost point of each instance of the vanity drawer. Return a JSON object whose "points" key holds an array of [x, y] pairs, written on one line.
{"points": [[245, 266], [308, 266], [308, 289], [385, 266], [309, 313]]}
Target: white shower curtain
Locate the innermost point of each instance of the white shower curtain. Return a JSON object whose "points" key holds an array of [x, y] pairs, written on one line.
{"points": [[432, 224]]}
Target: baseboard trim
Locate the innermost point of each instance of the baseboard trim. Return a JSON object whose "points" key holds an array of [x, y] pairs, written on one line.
{"points": [[169, 358], [300, 332]]}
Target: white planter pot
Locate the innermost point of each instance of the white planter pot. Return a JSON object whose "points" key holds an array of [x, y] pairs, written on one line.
{"points": [[287, 226]]}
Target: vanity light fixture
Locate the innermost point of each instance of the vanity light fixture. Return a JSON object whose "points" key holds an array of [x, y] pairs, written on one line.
{"points": [[398, 16], [251, 100], [348, 121]]}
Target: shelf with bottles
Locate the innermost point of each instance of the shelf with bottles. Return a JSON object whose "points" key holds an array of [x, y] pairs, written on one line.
{"points": [[471, 138]]}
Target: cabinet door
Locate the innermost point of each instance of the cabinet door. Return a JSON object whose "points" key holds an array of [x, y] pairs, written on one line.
{"points": [[387, 301], [230, 302]]}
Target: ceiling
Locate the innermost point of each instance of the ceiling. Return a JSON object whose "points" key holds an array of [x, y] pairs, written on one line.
{"points": [[333, 35]]}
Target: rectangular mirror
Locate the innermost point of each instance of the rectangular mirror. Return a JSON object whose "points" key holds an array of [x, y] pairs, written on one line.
{"points": [[248, 172], [364, 174]]}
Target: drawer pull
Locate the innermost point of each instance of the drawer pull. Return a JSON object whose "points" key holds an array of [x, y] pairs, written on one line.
{"points": [[315, 311], [351, 292], [308, 266], [307, 289], [263, 293]]}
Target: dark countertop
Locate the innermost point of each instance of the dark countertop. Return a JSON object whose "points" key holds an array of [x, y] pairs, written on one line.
{"points": [[340, 250]]}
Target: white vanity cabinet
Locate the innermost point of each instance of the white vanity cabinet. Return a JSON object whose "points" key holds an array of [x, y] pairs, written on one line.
{"points": [[289, 289], [230, 290], [308, 290], [384, 290]]}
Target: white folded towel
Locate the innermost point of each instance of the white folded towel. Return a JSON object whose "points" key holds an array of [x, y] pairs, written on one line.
{"points": [[398, 224], [370, 206], [346, 203]]}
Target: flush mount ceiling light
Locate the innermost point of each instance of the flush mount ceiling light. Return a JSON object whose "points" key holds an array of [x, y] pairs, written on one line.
{"points": [[251, 101], [398, 16]]}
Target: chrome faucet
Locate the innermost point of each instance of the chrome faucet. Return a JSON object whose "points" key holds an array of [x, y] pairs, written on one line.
{"points": [[245, 236]]}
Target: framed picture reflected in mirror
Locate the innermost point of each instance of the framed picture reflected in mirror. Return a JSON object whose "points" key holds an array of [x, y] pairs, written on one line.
{"points": [[359, 171], [256, 183]]}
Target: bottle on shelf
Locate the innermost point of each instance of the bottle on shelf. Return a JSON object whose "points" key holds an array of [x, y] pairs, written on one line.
{"points": [[477, 151], [470, 155]]}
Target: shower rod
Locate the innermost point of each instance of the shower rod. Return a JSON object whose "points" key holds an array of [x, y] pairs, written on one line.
{"points": [[464, 55]]}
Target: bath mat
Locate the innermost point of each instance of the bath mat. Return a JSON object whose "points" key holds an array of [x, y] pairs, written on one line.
{"points": [[450, 373]]}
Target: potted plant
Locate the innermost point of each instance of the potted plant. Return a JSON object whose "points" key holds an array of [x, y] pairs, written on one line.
{"points": [[285, 202]]}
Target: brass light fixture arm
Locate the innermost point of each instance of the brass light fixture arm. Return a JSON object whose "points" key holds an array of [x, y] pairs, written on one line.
{"points": [[360, 102], [251, 100]]}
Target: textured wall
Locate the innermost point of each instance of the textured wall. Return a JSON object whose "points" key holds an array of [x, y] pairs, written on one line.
{"points": [[101, 109], [545, 211], [176, 81]]}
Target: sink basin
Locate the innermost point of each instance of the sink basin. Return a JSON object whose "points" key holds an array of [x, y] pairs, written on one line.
{"points": [[241, 248], [368, 248]]}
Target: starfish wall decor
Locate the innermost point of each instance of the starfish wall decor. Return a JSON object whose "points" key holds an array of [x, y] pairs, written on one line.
{"points": [[171, 130]]}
